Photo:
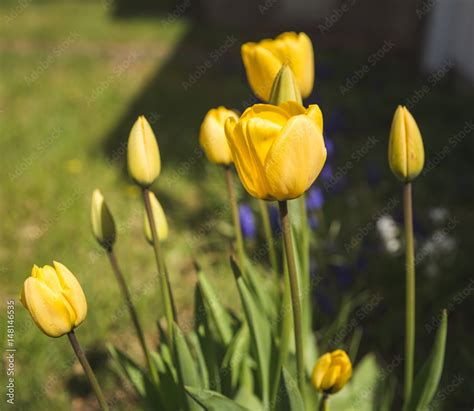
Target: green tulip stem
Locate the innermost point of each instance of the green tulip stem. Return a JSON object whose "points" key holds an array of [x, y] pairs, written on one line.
{"points": [[324, 406], [269, 236], [133, 313], [235, 215], [165, 286], [295, 294], [88, 370], [410, 291]]}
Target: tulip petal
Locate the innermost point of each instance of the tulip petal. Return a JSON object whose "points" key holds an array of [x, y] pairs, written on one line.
{"points": [[241, 155], [295, 159], [72, 291], [414, 145], [49, 310], [261, 67], [397, 145], [48, 276], [320, 370], [314, 112], [331, 377]]}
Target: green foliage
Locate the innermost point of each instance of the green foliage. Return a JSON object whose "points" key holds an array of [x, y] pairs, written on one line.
{"points": [[426, 382]]}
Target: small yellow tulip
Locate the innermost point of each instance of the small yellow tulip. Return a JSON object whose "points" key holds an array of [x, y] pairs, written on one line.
{"points": [[263, 60], [160, 220], [331, 372], [143, 154], [55, 299], [279, 150], [212, 136], [103, 226], [406, 155]]}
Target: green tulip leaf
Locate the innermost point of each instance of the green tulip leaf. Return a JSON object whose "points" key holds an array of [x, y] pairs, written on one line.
{"points": [[260, 335], [289, 397], [212, 401], [187, 367], [220, 316], [426, 382]]}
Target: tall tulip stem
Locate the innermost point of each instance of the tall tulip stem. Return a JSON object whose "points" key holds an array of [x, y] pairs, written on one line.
{"points": [[131, 308], [295, 293], [268, 234], [88, 370], [324, 406], [165, 286], [410, 291], [235, 215]]}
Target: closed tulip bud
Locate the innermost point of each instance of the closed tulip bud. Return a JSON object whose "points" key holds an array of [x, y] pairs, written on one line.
{"points": [[143, 154], [263, 61], [212, 136], [284, 87], [103, 226], [278, 151], [160, 220], [55, 299], [331, 372], [406, 155]]}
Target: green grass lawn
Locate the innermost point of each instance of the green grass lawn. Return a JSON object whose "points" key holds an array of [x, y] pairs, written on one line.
{"points": [[69, 72], [74, 79]]}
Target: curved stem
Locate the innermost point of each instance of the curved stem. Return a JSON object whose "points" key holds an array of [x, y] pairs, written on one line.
{"points": [[324, 406], [269, 236], [295, 294], [235, 215], [88, 370], [166, 294], [410, 291], [133, 313]]}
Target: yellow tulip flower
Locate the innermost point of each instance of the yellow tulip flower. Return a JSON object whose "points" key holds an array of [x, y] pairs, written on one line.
{"points": [[212, 136], [331, 372], [143, 154], [160, 220], [55, 299], [103, 226], [263, 60], [406, 155], [279, 150]]}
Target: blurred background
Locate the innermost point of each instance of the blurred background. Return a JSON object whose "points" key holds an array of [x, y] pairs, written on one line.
{"points": [[76, 74]]}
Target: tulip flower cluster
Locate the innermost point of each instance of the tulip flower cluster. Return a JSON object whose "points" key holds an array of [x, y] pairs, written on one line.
{"points": [[261, 358]]}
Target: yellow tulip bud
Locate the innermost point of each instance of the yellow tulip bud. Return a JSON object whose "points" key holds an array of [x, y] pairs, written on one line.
{"points": [[331, 372], [406, 155], [55, 299], [160, 220], [263, 61], [284, 87], [278, 151], [103, 226], [143, 155], [212, 136]]}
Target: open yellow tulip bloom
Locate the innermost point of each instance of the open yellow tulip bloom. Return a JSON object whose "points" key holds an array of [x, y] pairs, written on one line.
{"points": [[212, 136], [263, 60], [406, 155], [278, 151], [332, 371], [55, 299]]}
